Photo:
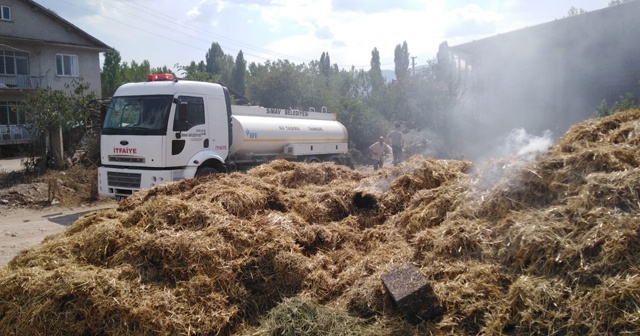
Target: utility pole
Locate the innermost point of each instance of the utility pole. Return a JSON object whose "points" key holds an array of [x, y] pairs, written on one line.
{"points": [[413, 64]]}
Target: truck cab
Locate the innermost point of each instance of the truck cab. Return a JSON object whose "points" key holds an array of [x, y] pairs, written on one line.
{"points": [[146, 142]]}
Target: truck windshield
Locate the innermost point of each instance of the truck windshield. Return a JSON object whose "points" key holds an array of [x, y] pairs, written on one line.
{"points": [[138, 115]]}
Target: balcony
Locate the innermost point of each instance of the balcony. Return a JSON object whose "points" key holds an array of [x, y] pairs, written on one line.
{"points": [[16, 134], [22, 82]]}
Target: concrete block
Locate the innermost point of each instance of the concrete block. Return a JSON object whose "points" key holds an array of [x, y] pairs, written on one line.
{"points": [[412, 294]]}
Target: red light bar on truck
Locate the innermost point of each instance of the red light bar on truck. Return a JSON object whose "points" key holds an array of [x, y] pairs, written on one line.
{"points": [[160, 77]]}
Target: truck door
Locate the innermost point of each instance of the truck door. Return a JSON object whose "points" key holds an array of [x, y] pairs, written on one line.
{"points": [[188, 136]]}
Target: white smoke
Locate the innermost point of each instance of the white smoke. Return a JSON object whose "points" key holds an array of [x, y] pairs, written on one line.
{"points": [[516, 150], [523, 146]]}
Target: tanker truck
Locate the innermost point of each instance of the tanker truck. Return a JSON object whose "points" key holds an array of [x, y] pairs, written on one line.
{"points": [[168, 129]]}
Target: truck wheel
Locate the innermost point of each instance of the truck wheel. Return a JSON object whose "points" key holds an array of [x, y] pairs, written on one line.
{"points": [[335, 159], [311, 159], [203, 171]]}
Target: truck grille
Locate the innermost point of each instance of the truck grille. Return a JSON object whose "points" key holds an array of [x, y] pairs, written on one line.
{"points": [[115, 158], [126, 180]]}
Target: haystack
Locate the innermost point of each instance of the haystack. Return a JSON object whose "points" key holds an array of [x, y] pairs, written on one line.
{"points": [[551, 246]]}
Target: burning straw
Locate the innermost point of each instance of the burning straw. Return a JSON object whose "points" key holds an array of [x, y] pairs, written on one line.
{"points": [[550, 248]]}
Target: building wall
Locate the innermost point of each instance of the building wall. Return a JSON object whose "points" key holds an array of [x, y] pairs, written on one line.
{"points": [[42, 64], [31, 23], [42, 35]]}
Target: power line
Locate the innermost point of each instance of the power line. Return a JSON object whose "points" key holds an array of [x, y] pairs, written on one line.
{"points": [[200, 30], [192, 28]]}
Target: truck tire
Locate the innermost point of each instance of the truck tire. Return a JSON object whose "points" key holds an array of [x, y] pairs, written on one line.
{"points": [[204, 171], [335, 159], [312, 159]]}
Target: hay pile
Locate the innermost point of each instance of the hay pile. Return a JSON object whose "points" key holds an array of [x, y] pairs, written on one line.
{"points": [[552, 248]]}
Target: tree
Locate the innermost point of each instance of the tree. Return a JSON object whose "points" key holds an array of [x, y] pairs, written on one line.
{"points": [[196, 72], [401, 60], [219, 65], [325, 64], [135, 72], [363, 123], [161, 70], [375, 73], [50, 113], [213, 59], [277, 84], [617, 2], [239, 72], [576, 11], [110, 77], [444, 65]]}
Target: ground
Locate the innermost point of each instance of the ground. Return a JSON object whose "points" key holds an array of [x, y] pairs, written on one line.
{"points": [[31, 211], [23, 227]]}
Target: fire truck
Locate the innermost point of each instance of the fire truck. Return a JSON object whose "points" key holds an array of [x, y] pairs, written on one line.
{"points": [[167, 129]]}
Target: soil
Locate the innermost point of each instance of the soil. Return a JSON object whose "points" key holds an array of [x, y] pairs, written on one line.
{"points": [[31, 211], [25, 227]]}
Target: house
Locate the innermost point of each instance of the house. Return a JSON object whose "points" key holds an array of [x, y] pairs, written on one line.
{"points": [[39, 49], [549, 76]]}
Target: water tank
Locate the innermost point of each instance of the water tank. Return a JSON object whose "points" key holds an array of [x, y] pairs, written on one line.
{"points": [[269, 135]]}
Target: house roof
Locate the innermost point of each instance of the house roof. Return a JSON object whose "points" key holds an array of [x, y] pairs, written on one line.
{"points": [[560, 30], [96, 43]]}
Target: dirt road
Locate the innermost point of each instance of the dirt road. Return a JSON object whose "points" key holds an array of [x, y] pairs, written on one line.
{"points": [[24, 228], [11, 164]]}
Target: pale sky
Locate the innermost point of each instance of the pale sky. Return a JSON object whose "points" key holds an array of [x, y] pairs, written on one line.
{"points": [[169, 32]]}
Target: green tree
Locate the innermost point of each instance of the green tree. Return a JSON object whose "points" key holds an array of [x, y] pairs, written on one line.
{"points": [[362, 122], [276, 84], [213, 59], [110, 77], [325, 64], [239, 72], [375, 73], [401, 59], [51, 112], [573, 11], [161, 70], [219, 65], [195, 71], [135, 72]]}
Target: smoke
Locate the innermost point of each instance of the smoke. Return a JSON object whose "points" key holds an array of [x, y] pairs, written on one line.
{"points": [[524, 146], [516, 150], [546, 77]]}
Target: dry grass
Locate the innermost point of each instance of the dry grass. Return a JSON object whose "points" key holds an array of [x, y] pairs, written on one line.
{"points": [[544, 247]]}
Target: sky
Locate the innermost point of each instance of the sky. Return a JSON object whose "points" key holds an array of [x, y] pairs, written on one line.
{"points": [[176, 32]]}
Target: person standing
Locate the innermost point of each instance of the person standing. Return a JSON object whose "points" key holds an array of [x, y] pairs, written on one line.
{"points": [[396, 138], [378, 150]]}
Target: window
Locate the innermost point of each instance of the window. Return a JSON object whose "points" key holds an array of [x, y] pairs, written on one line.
{"points": [[138, 115], [14, 63], [67, 65], [5, 13], [11, 113], [195, 115]]}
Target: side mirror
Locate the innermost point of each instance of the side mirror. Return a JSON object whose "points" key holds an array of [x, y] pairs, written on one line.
{"points": [[182, 116]]}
